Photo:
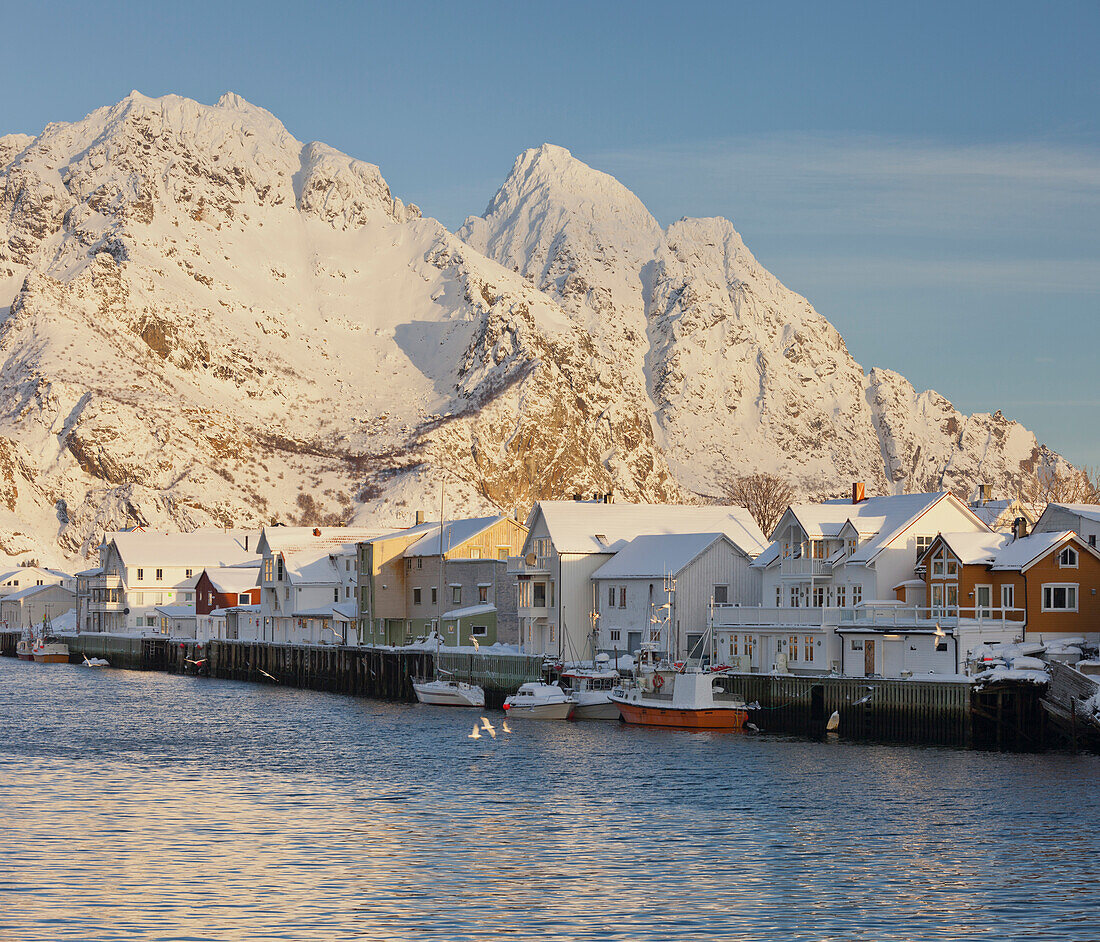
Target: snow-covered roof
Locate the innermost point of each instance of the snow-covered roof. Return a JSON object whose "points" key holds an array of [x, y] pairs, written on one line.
{"points": [[308, 551], [34, 590], [654, 556], [994, 510], [346, 611], [484, 608], [1019, 554], [28, 571], [233, 578], [584, 527], [455, 533], [176, 611], [90, 572], [972, 548], [198, 549], [1088, 511]]}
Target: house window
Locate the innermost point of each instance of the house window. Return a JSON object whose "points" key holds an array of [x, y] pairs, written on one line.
{"points": [[435, 595], [794, 596], [952, 569], [1008, 597], [622, 596], [817, 549], [792, 648], [539, 597], [475, 553], [786, 550], [456, 595], [478, 631], [616, 634], [286, 593], [852, 544], [1059, 598], [938, 564], [923, 542], [952, 598], [419, 562], [140, 576], [983, 600], [336, 594], [808, 647], [841, 596], [1092, 540], [857, 595], [160, 575], [502, 552], [778, 596], [269, 568], [188, 596], [187, 573], [721, 594], [279, 568], [408, 564], [733, 645], [610, 596], [243, 598], [937, 595], [416, 595], [483, 593], [819, 596], [857, 645], [347, 591], [1067, 559]]}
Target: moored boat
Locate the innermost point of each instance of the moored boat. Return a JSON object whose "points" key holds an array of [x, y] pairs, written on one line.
{"points": [[24, 648], [50, 650], [536, 701], [592, 691], [689, 704], [442, 692]]}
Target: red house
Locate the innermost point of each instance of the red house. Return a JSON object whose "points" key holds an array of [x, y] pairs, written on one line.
{"points": [[226, 587]]}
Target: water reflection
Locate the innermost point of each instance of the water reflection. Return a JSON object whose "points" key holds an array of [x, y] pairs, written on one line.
{"points": [[149, 806]]}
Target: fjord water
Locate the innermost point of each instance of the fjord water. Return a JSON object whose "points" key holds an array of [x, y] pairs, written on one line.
{"points": [[149, 806]]}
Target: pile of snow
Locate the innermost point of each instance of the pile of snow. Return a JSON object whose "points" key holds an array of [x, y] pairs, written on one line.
{"points": [[1011, 674]]}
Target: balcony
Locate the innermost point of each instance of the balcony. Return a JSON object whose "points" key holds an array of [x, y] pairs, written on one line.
{"points": [[804, 566], [105, 581], [943, 616], [519, 566], [747, 616], [106, 605]]}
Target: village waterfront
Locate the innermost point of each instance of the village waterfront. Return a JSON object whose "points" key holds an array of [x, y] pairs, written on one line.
{"points": [[155, 806]]}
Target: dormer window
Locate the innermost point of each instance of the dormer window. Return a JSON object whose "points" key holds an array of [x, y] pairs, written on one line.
{"points": [[1067, 559]]}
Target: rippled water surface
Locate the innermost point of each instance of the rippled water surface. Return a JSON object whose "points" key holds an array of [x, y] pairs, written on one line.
{"points": [[142, 805]]}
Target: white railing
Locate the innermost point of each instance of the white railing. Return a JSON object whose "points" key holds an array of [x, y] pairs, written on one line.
{"points": [[517, 565], [804, 566], [945, 616], [748, 615]]}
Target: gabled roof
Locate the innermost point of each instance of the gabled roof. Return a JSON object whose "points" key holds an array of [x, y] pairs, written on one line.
{"points": [[881, 519], [198, 549], [583, 527], [653, 556], [993, 510], [233, 578], [485, 608], [1088, 511], [1019, 555], [308, 551], [34, 590], [454, 533], [972, 548]]}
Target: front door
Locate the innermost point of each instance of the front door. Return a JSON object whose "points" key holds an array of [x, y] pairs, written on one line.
{"points": [[633, 641], [983, 600], [868, 658]]}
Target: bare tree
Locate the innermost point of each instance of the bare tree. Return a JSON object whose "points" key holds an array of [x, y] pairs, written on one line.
{"points": [[763, 495], [1074, 486]]}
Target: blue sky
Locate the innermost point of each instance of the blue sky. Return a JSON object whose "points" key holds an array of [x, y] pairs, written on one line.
{"points": [[928, 175]]}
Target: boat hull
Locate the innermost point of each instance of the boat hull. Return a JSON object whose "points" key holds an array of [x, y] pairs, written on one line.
{"points": [[26, 657], [465, 695], [541, 711], [51, 658], [598, 710], [642, 714]]}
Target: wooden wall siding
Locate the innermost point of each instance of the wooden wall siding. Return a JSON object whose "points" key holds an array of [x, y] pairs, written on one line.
{"points": [[507, 532], [1086, 620], [720, 564], [574, 600]]}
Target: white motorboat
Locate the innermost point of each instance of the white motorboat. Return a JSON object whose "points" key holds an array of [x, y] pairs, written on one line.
{"points": [[535, 701], [50, 650], [592, 691], [690, 704], [442, 692]]}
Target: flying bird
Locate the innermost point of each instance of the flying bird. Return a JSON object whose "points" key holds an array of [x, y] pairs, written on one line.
{"points": [[266, 674], [488, 727], [504, 725], [198, 663], [476, 734]]}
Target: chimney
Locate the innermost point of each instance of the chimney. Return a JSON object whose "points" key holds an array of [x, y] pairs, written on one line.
{"points": [[419, 517], [985, 494], [316, 531], [577, 498], [1019, 528], [859, 492], [246, 542]]}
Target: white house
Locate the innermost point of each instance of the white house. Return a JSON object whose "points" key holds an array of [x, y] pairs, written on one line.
{"points": [[660, 587], [307, 583], [142, 571], [15, 580], [1083, 519], [828, 563], [567, 541]]}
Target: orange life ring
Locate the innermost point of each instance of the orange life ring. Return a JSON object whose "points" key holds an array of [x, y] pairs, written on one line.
{"points": [[658, 681]]}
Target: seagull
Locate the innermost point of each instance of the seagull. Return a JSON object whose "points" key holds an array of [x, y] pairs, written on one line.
{"points": [[488, 727], [834, 722], [473, 641], [266, 674], [752, 727], [476, 734], [504, 725], [198, 663]]}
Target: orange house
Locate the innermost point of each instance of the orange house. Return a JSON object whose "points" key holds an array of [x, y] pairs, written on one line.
{"points": [[1048, 581]]}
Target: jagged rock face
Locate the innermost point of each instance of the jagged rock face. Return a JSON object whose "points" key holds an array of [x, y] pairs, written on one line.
{"points": [[204, 321], [739, 373]]}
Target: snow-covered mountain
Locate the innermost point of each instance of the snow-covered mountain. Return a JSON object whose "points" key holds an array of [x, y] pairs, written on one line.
{"points": [[204, 321]]}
